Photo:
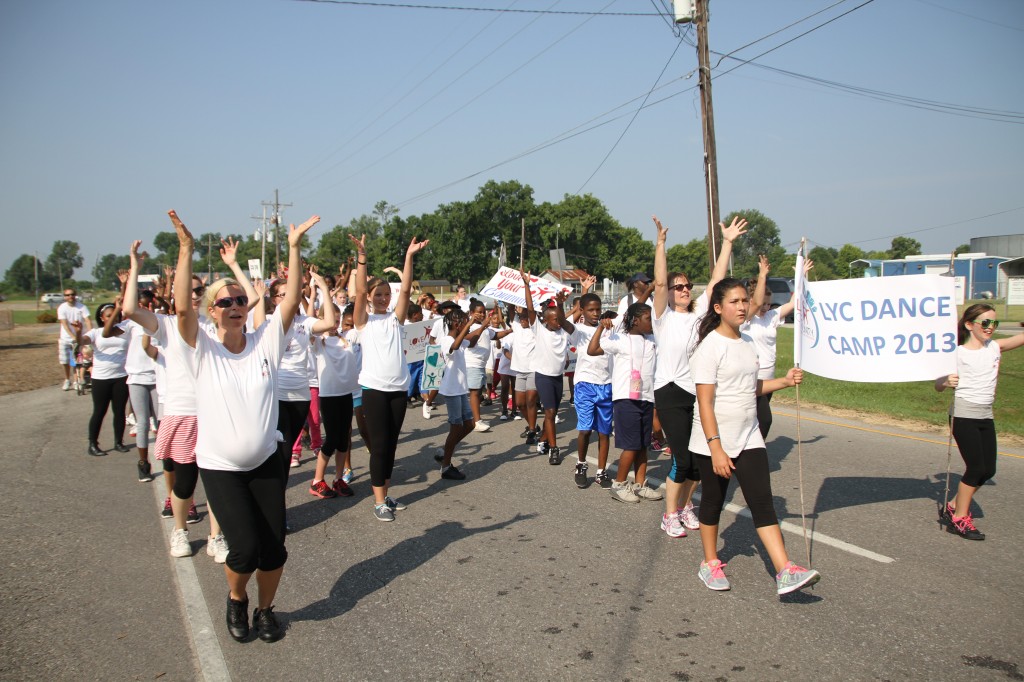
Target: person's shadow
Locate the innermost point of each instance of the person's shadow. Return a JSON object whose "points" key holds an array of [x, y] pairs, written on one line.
{"points": [[366, 577]]}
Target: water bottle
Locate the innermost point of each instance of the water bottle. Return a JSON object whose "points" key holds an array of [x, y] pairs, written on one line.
{"points": [[635, 384]]}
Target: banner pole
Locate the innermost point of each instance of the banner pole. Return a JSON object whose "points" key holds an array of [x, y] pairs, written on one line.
{"points": [[797, 336]]}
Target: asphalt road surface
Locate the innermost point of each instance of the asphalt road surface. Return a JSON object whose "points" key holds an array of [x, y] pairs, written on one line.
{"points": [[514, 573]]}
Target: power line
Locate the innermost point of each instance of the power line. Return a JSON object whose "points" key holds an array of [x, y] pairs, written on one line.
{"points": [[396, 5], [937, 227], [971, 16]]}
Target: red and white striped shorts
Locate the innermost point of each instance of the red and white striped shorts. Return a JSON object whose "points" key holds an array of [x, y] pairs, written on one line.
{"points": [[176, 438]]}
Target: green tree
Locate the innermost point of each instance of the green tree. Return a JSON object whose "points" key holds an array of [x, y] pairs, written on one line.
{"points": [[167, 245], [903, 247], [583, 227], [963, 248], [104, 273], [65, 257], [762, 238], [501, 206], [690, 258], [827, 264], [847, 254], [21, 275], [384, 212]]}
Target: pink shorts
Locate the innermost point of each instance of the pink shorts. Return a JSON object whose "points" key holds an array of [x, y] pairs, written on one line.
{"points": [[176, 438]]}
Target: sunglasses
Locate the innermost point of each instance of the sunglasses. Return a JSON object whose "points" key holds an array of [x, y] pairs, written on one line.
{"points": [[70, 294], [988, 324], [198, 291], [228, 301], [681, 287]]}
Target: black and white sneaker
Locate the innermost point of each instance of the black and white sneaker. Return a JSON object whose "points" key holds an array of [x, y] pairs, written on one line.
{"points": [[526, 433], [603, 479], [580, 475], [554, 456], [531, 436], [145, 471]]}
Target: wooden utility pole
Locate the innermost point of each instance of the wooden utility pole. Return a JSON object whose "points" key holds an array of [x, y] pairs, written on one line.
{"points": [[708, 118], [277, 227]]}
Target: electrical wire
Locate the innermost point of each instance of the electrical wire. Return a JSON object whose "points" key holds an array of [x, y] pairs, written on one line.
{"points": [[397, 5], [970, 16], [937, 227]]}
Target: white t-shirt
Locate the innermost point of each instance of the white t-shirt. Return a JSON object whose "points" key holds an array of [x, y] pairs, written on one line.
{"points": [[454, 380], [763, 330], [550, 351], [178, 389], [730, 364], [477, 356], [109, 355], [293, 377], [676, 334], [384, 367], [630, 352], [338, 359], [592, 369], [523, 348], [978, 371], [139, 366], [504, 362], [71, 313], [235, 398], [437, 329]]}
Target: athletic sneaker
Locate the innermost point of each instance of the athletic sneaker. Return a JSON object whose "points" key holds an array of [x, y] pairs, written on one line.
{"points": [[167, 512], [516, 416], [793, 577], [217, 547], [322, 490], [554, 456], [130, 422], [645, 493], [713, 576], [482, 426], [964, 527], [394, 504], [426, 410], [342, 488], [383, 512], [688, 518], [503, 417], [346, 476], [193, 514], [580, 475], [558, 419], [452, 474], [145, 471], [526, 433], [265, 624], [623, 492], [179, 543], [531, 437], [439, 456], [295, 461], [66, 386], [656, 445], [542, 447], [667, 451], [133, 431], [672, 526], [947, 513], [603, 479]]}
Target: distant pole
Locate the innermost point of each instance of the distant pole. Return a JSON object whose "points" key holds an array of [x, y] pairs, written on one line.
{"points": [[35, 276], [277, 225], [263, 240], [708, 118], [558, 228], [209, 258], [522, 242]]}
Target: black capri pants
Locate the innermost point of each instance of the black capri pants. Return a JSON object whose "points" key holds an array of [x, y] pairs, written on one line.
{"points": [[336, 415], [385, 413], [186, 476], [764, 414], [752, 473], [112, 393], [250, 509], [291, 417], [976, 439], [675, 410]]}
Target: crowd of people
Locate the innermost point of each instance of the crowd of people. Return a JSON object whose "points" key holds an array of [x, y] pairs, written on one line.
{"points": [[269, 364]]}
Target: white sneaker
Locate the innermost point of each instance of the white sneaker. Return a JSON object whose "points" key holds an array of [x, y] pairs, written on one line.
{"points": [[67, 385], [623, 492], [558, 419], [482, 426], [688, 518], [426, 411], [295, 461], [217, 547], [130, 420], [179, 544], [642, 491], [152, 426]]}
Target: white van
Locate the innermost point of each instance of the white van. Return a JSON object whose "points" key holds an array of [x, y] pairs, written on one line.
{"points": [[52, 298]]}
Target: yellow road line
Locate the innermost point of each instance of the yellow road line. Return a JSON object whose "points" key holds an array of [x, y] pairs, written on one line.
{"points": [[883, 433]]}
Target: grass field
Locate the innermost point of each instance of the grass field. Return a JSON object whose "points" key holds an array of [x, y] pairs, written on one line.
{"points": [[917, 400]]}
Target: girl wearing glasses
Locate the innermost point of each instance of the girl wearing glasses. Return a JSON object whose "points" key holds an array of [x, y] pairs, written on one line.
{"points": [[977, 370]]}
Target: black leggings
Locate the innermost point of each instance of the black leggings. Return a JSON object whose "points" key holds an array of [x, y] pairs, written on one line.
{"points": [[385, 412], [336, 415], [250, 509], [675, 410], [752, 473], [976, 439], [186, 476], [106, 393], [291, 417], [764, 414]]}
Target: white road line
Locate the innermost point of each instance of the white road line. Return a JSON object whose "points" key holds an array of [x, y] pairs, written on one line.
{"points": [[204, 640], [794, 528]]}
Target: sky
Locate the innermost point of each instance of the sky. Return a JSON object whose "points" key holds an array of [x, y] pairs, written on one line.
{"points": [[114, 111]]}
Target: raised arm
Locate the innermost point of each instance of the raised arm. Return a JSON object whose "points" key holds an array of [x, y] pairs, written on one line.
{"points": [[358, 293], [763, 268], [729, 234], [259, 313], [461, 336], [660, 270], [594, 347], [567, 326], [131, 307], [402, 306], [786, 308], [586, 285], [531, 314], [188, 321], [1010, 342], [330, 320], [293, 285], [228, 251]]}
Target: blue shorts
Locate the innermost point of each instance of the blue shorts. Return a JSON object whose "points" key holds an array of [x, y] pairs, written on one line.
{"points": [[415, 376], [593, 407], [459, 410], [633, 422], [474, 378], [549, 390]]}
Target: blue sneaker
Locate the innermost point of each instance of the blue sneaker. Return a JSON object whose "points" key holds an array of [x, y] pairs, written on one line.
{"points": [[793, 577]]}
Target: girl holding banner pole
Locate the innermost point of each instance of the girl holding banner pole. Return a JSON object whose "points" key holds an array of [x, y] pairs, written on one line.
{"points": [[971, 419], [725, 437]]}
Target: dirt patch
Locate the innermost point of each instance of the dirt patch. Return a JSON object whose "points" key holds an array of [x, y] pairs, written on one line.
{"points": [[28, 358]]}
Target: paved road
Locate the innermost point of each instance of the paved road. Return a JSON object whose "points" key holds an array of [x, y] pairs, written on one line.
{"points": [[513, 574]]}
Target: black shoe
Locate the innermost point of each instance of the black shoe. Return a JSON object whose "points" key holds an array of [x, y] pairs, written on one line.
{"points": [[94, 450], [526, 433], [265, 623], [531, 437], [145, 471], [238, 619], [439, 456], [580, 475], [121, 447], [964, 527], [604, 480], [554, 456], [453, 474]]}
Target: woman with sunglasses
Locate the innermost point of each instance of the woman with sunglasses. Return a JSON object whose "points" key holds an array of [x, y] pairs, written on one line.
{"points": [[675, 318], [977, 370], [236, 374], [109, 376]]}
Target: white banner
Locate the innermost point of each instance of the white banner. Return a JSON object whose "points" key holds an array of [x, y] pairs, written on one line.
{"points": [[886, 329], [414, 340], [507, 286]]}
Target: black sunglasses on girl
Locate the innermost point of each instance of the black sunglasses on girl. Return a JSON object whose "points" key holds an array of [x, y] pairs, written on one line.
{"points": [[198, 291], [227, 301], [681, 287]]}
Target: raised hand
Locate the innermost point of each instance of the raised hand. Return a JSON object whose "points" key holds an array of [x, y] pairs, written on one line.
{"points": [[295, 233], [415, 246], [228, 251], [316, 277], [184, 236], [737, 228], [394, 270], [662, 230], [134, 257], [260, 287], [589, 283], [763, 266], [360, 244], [122, 277]]}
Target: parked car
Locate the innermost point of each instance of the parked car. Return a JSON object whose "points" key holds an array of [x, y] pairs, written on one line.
{"points": [[781, 291], [52, 298]]}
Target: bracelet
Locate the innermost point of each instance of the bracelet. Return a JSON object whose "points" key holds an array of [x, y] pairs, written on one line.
{"points": [[716, 437], [360, 262]]}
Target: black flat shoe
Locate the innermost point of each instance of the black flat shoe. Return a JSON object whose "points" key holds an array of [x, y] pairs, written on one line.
{"points": [[238, 619], [94, 450], [121, 447], [265, 623]]}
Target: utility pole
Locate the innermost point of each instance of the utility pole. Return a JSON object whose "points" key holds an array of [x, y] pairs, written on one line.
{"points": [[276, 217], [263, 240], [708, 118]]}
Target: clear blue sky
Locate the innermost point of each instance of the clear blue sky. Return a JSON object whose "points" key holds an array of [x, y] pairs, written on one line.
{"points": [[114, 111]]}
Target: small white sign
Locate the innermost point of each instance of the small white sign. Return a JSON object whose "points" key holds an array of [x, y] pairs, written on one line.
{"points": [[255, 269]]}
